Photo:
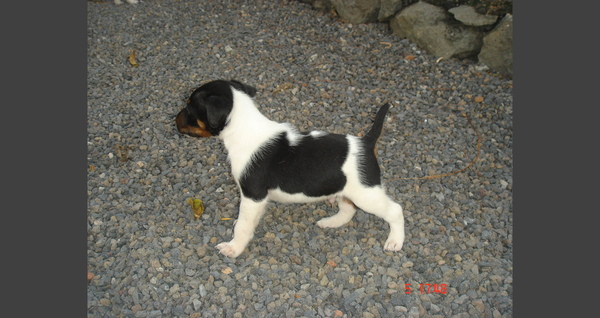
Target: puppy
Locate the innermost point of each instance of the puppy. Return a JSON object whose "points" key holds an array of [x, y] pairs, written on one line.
{"points": [[274, 161]]}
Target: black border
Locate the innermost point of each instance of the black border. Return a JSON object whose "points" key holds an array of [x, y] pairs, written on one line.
{"points": [[555, 143], [44, 157]]}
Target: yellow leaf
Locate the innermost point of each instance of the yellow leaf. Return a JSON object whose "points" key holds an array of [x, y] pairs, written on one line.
{"points": [[197, 204], [132, 59], [197, 207]]}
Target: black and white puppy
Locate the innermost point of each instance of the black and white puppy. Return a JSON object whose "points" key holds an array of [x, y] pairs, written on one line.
{"points": [[274, 161]]}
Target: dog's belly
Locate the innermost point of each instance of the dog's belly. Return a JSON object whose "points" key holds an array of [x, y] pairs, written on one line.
{"points": [[280, 196]]}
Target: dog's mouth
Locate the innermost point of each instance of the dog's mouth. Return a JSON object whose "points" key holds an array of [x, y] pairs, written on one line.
{"points": [[189, 127]]}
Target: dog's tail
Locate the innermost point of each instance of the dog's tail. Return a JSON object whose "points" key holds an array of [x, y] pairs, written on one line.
{"points": [[370, 138]]}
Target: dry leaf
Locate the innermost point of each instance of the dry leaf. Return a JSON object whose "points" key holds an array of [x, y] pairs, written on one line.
{"points": [[132, 59], [332, 13], [332, 263], [122, 152], [92, 168], [409, 57], [370, 70], [197, 207], [337, 313], [386, 43], [227, 271], [225, 219], [282, 87], [297, 296], [479, 99], [90, 276]]}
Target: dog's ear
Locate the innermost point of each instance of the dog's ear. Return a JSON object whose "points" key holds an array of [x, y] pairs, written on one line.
{"points": [[251, 91], [217, 110]]}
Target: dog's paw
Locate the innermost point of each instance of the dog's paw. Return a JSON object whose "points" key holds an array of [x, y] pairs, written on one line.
{"points": [[394, 244], [230, 250], [331, 222]]}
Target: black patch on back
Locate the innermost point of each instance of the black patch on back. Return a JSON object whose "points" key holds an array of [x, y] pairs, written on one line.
{"points": [[370, 174], [312, 167]]}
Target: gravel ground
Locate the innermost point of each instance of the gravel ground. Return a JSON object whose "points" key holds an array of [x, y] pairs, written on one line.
{"points": [[150, 257]]}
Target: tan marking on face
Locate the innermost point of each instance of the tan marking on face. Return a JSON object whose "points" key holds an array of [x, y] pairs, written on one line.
{"points": [[202, 129], [199, 131], [195, 132]]}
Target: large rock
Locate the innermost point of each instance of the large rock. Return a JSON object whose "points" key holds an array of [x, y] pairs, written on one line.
{"points": [[496, 52], [388, 10], [357, 11], [436, 31], [467, 15]]}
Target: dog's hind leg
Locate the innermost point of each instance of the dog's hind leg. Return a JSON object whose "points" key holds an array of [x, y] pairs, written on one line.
{"points": [[347, 210], [248, 218], [374, 200]]}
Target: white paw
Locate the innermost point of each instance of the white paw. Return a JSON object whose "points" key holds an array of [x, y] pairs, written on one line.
{"points": [[394, 244], [331, 222], [230, 250]]}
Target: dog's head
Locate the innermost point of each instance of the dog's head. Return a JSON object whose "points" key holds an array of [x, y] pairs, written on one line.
{"points": [[208, 108]]}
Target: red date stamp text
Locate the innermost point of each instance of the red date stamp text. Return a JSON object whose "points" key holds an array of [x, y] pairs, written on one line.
{"points": [[428, 288]]}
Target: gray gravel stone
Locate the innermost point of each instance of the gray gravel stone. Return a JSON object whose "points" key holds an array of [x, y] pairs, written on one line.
{"points": [[413, 313], [150, 257]]}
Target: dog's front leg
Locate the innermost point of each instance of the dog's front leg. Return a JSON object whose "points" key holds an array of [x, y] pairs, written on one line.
{"points": [[248, 218]]}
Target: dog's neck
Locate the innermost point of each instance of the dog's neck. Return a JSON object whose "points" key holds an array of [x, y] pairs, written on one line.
{"points": [[247, 129]]}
